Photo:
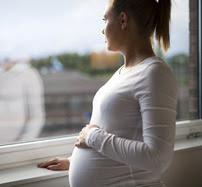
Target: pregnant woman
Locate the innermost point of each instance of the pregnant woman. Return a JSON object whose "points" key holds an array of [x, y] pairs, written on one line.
{"points": [[129, 141]]}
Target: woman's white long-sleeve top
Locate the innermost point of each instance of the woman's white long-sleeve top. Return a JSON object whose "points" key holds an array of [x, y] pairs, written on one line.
{"points": [[136, 113]]}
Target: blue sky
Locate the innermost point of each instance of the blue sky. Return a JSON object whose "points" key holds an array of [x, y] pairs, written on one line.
{"points": [[45, 27]]}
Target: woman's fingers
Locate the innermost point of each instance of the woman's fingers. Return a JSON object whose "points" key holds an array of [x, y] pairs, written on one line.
{"points": [[94, 126], [58, 163], [77, 144], [44, 164], [48, 163], [54, 167], [82, 136], [57, 167], [81, 144]]}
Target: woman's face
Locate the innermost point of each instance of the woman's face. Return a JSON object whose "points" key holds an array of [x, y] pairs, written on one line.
{"points": [[112, 29]]}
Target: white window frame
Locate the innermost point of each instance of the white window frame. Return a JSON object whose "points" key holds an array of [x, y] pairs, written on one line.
{"points": [[37, 151]]}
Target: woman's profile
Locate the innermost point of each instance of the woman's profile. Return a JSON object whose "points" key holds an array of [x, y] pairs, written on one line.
{"points": [[130, 138]]}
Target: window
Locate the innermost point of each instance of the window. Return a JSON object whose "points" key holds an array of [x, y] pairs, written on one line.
{"points": [[182, 57], [64, 45]]}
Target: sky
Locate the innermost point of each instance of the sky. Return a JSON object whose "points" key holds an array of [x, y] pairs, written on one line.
{"points": [[39, 28]]}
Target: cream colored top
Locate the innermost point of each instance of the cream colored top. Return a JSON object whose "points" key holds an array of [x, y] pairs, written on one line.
{"points": [[136, 113]]}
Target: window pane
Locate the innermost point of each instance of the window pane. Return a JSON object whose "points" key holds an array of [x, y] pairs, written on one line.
{"points": [[182, 56], [53, 60]]}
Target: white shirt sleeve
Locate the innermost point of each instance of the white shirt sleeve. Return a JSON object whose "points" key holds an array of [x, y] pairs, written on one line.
{"points": [[156, 95], [89, 132]]}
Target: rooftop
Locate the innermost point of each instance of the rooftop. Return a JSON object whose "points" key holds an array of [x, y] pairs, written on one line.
{"points": [[70, 82]]}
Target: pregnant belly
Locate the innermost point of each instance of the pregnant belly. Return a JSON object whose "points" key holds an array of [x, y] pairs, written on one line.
{"points": [[90, 169]]}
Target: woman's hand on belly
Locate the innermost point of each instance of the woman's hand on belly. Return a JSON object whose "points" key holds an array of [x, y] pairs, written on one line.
{"points": [[58, 163], [81, 140]]}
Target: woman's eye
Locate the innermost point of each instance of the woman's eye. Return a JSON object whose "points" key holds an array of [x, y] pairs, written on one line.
{"points": [[104, 20]]}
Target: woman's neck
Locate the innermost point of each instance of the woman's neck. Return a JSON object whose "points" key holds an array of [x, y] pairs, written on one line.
{"points": [[136, 51]]}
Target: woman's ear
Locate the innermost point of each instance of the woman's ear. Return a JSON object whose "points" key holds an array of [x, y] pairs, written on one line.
{"points": [[124, 20]]}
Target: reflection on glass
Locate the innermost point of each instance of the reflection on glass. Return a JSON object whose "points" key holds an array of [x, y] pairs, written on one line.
{"points": [[68, 50], [21, 102]]}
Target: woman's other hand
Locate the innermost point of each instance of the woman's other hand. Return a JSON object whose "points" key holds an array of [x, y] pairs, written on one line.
{"points": [[58, 163], [81, 140]]}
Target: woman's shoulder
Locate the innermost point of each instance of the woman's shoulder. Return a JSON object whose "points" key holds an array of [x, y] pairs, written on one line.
{"points": [[157, 66], [158, 77]]}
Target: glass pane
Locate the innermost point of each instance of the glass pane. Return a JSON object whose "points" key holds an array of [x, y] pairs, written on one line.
{"points": [[182, 56], [53, 60]]}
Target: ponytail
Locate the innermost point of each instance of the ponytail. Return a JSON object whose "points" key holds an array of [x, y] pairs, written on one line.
{"points": [[151, 17], [162, 25]]}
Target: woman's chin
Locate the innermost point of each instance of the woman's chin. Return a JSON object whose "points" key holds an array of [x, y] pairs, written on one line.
{"points": [[109, 48]]}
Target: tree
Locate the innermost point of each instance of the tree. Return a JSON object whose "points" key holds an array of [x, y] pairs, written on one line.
{"points": [[179, 64]]}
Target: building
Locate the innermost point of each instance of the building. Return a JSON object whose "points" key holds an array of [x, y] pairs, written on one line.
{"points": [[105, 60], [68, 100]]}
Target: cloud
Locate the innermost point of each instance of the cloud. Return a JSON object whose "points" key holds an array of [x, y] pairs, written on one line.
{"points": [[41, 27], [179, 27], [48, 26]]}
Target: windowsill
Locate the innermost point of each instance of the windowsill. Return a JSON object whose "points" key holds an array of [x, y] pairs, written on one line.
{"points": [[30, 173], [188, 144], [19, 162], [29, 153]]}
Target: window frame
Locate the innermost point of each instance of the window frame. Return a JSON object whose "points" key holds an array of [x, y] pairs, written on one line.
{"points": [[200, 58], [26, 153]]}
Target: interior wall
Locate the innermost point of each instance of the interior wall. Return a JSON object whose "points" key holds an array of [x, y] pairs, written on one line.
{"points": [[185, 169]]}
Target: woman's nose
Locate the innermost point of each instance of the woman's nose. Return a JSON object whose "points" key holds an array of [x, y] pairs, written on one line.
{"points": [[103, 32]]}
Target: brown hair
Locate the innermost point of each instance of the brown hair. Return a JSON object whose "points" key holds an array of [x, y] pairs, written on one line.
{"points": [[150, 16]]}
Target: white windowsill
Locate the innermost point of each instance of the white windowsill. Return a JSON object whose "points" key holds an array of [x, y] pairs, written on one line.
{"points": [[34, 152], [30, 173], [18, 162]]}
